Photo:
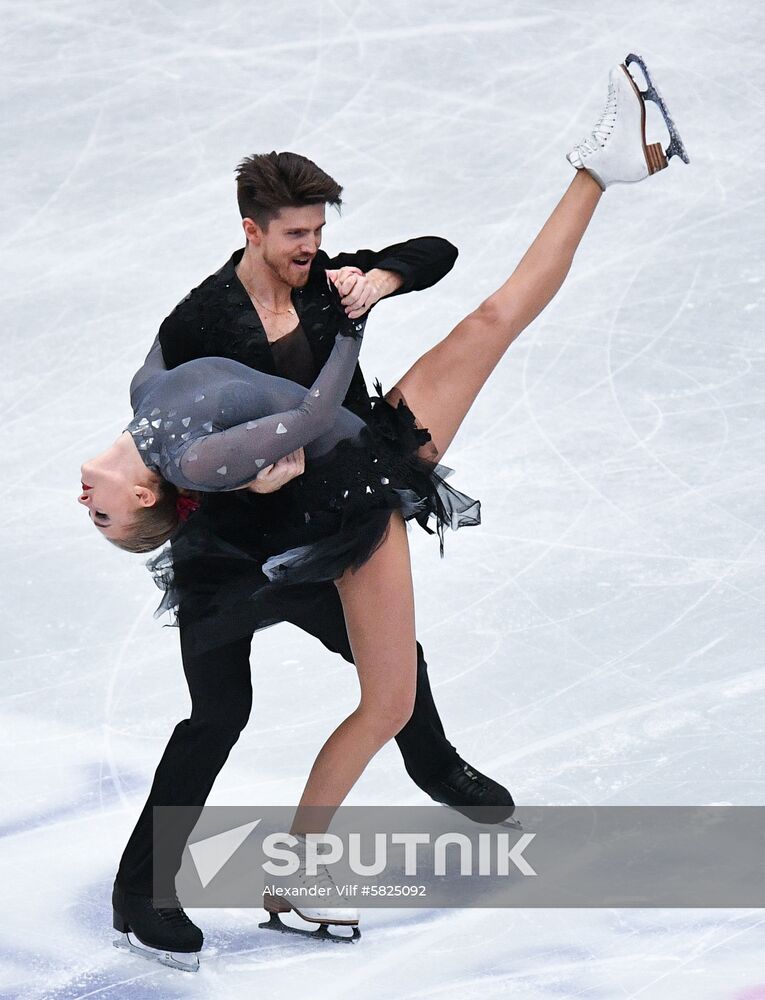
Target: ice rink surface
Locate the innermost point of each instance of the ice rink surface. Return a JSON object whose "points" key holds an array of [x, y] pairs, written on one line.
{"points": [[598, 640]]}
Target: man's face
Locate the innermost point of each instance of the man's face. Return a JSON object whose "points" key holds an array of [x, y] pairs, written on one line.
{"points": [[291, 241]]}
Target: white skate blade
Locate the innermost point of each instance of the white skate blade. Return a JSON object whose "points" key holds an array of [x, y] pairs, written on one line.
{"points": [[185, 961]]}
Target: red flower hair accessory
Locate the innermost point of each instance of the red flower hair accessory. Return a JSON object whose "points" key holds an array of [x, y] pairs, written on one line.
{"points": [[185, 507]]}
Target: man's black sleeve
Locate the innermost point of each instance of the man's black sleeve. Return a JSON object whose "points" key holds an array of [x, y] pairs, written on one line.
{"points": [[421, 262]]}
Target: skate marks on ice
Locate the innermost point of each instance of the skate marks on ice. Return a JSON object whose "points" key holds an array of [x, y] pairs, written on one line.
{"points": [[235, 949], [97, 793], [651, 950], [504, 129], [649, 449]]}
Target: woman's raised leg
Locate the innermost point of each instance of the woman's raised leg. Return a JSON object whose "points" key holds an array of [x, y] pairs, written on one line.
{"points": [[378, 604], [441, 386]]}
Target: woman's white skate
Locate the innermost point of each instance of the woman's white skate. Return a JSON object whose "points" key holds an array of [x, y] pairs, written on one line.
{"points": [[300, 885], [617, 151]]}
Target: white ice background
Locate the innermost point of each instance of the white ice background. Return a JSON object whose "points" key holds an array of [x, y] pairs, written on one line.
{"points": [[598, 640]]}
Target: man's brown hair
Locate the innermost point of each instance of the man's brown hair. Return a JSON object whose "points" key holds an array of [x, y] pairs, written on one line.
{"points": [[268, 182]]}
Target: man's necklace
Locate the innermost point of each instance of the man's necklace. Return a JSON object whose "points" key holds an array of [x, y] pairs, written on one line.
{"points": [[275, 312]]}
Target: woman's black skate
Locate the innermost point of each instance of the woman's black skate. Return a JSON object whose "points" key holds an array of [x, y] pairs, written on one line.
{"points": [[164, 934]]}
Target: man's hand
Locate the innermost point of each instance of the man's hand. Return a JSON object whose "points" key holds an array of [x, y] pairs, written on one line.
{"points": [[273, 477], [359, 291]]}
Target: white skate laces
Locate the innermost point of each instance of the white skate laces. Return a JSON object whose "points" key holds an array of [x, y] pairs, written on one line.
{"points": [[323, 877], [599, 136], [616, 151], [322, 880]]}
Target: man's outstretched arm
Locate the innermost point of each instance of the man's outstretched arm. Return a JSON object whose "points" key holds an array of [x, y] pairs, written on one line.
{"points": [[366, 276], [420, 262]]}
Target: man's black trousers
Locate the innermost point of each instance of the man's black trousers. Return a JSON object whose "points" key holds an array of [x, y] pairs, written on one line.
{"points": [[221, 699]]}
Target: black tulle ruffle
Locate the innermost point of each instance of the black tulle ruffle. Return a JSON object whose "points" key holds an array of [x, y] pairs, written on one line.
{"points": [[224, 569]]}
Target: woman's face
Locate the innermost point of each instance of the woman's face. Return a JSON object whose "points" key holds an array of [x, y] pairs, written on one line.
{"points": [[109, 496]]}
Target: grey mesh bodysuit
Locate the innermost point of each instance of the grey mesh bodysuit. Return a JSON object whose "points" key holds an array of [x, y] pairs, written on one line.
{"points": [[212, 424]]}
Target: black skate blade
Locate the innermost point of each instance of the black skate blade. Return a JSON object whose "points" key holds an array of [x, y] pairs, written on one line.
{"points": [[676, 146], [322, 934], [185, 962]]}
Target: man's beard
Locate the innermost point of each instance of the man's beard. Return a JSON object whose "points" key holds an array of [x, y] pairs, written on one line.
{"points": [[284, 272]]}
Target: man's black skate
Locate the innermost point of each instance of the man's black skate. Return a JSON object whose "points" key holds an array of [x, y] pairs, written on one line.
{"points": [[164, 934], [473, 794]]}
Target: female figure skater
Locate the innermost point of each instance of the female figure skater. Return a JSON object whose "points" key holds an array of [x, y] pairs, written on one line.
{"points": [[212, 424]]}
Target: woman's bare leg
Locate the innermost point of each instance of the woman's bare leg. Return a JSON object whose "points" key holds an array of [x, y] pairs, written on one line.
{"points": [[378, 604], [378, 601], [441, 386]]}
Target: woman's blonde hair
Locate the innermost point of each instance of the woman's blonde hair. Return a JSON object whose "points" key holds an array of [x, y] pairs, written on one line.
{"points": [[152, 526]]}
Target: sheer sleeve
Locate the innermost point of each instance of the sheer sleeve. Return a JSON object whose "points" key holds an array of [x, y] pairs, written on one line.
{"points": [[152, 365], [227, 459]]}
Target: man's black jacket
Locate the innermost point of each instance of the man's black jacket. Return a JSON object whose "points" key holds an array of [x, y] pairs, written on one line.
{"points": [[218, 319]]}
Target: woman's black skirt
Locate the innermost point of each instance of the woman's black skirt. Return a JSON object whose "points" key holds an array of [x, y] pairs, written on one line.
{"points": [[225, 567]]}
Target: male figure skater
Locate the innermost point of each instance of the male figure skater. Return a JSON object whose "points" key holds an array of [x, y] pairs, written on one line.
{"points": [[261, 309]]}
